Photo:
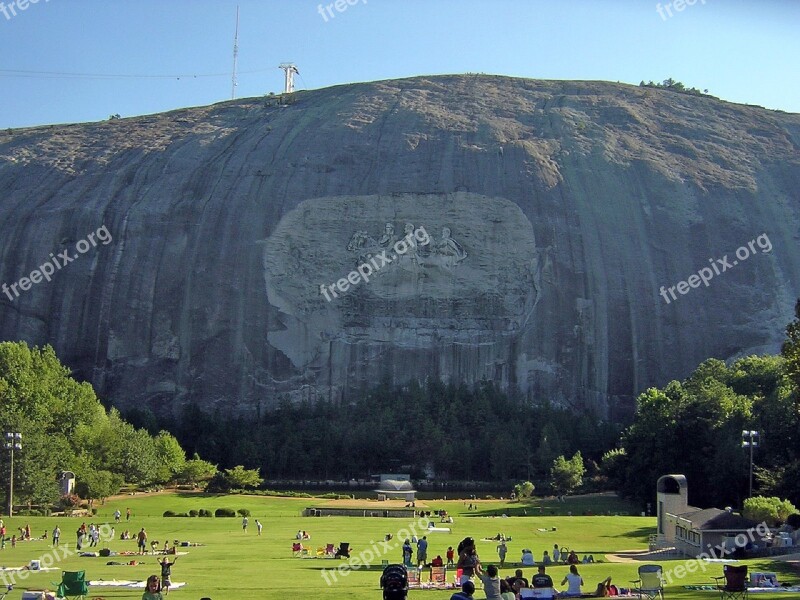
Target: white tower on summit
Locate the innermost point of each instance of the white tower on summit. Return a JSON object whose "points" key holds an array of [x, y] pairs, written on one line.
{"points": [[289, 69]]}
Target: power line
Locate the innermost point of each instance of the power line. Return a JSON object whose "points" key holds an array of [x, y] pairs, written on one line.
{"points": [[67, 75]]}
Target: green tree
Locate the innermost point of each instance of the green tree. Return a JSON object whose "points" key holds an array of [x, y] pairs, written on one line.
{"points": [[170, 456], [241, 478], [65, 427], [770, 510], [196, 470], [98, 485], [791, 348], [138, 454], [567, 475], [613, 465], [524, 489]]}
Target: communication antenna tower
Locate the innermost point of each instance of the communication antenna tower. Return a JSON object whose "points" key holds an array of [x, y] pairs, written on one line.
{"points": [[234, 83], [290, 70]]}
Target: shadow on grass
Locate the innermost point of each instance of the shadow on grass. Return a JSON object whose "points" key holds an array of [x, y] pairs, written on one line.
{"points": [[641, 532], [329, 563]]}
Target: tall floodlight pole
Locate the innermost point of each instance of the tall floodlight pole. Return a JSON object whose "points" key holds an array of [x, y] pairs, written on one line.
{"points": [[290, 70], [750, 440], [234, 83], [13, 442]]}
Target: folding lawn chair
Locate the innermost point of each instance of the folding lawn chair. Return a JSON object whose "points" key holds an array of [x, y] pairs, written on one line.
{"points": [[330, 551], [735, 578], [650, 584], [73, 585], [413, 578], [298, 549], [343, 550], [439, 576]]}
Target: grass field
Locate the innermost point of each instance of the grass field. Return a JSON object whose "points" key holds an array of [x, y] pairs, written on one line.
{"points": [[233, 564]]}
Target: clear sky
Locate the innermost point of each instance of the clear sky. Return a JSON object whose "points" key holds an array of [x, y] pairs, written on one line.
{"points": [[161, 55]]}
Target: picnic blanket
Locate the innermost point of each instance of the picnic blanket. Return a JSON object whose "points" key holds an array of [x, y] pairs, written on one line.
{"points": [[28, 568], [128, 583]]}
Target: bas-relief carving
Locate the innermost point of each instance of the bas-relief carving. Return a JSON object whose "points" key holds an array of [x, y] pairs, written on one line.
{"points": [[476, 280]]}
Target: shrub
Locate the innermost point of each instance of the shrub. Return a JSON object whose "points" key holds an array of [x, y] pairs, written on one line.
{"points": [[168, 513], [94, 511], [243, 512], [218, 484], [771, 510], [224, 512], [793, 521], [70, 501], [193, 513], [205, 513]]}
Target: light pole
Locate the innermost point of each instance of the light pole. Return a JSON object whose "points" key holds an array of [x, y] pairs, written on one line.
{"points": [[13, 442], [750, 440]]}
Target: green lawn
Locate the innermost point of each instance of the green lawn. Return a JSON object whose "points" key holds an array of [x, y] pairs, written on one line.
{"points": [[237, 565]]}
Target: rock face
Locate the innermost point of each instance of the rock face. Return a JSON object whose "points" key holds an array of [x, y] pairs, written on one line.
{"points": [[542, 220]]}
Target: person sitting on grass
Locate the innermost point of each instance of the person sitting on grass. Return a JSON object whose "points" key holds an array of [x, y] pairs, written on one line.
{"points": [[603, 589], [527, 558], [467, 590], [506, 593], [518, 577], [575, 582], [542, 579]]}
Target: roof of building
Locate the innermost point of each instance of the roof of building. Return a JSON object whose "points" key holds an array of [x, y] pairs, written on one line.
{"points": [[709, 519]]}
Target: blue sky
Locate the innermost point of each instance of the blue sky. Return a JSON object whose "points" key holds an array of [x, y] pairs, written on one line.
{"points": [[167, 54]]}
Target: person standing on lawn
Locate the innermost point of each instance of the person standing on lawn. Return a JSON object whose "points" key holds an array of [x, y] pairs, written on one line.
{"points": [[141, 541], [502, 550], [166, 573]]}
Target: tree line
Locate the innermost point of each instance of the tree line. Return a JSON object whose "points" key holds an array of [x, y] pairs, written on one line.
{"points": [[450, 431], [64, 427], [695, 427]]}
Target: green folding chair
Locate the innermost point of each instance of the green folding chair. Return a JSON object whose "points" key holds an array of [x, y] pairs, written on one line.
{"points": [[73, 585]]}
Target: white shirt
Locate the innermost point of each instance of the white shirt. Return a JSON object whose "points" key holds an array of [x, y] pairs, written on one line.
{"points": [[575, 582]]}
